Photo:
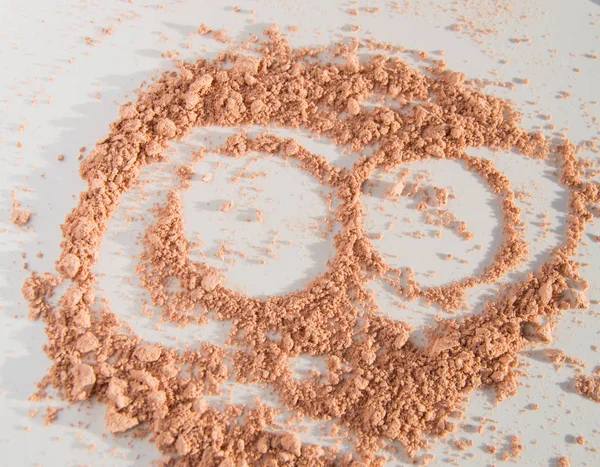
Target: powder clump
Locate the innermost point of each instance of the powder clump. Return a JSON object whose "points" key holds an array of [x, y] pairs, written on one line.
{"points": [[588, 386], [19, 216]]}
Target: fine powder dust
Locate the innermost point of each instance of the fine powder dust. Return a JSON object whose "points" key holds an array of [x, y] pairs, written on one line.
{"points": [[378, 384]]}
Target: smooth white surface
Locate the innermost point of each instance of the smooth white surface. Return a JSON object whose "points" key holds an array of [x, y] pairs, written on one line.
{"points": [[50, 82]]}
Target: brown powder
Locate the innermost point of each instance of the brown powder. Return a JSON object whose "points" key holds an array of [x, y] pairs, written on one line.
{"points": [[378, 385]]}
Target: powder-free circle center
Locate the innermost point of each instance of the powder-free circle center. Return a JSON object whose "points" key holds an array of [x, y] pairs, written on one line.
{"points": [[261, 219]]}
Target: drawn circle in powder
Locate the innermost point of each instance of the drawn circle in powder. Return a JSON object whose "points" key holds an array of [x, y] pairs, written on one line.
{"points": [[510, 252]]}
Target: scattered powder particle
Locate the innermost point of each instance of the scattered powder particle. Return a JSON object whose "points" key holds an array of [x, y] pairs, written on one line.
{"points": [[490, 449], [60, 157], [51, 414], [588, 386], [203, 29], [558, 357], [580, 440], [148, 353], [515, 447], [220, 35], [463, 444], [563, 462], [226, 206], [396, 190], [19, 216]]}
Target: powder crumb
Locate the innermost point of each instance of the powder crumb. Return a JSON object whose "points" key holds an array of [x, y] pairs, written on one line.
{"points": [[51, 414], [580, 440], [558, 357], [515, 446], [491, 449], [87, 342], [210, 281], [60, 157], [563, 462], [353, 106], [203, 29], [84, 379], [18, 216], [220, 35], [226, 206], [118, 422], [69, 265], [463, 444], [588, 386]]}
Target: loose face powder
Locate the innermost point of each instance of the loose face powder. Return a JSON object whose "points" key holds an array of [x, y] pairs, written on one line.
{"points": [[378, 384]]}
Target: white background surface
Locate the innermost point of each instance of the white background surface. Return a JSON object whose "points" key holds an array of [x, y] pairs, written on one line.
{"points": [[66, 92]]}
